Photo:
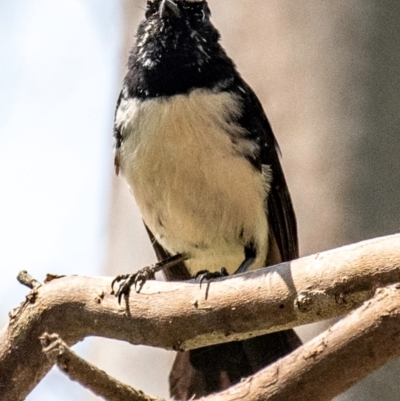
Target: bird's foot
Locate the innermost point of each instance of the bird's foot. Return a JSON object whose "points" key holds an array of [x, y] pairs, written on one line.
{"points": [[126, 281], [207, 275], [141, 276]]}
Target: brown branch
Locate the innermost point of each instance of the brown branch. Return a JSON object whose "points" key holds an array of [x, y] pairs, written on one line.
{"points": [[27, 280], [325, 367], [86, 374], [177, 315], [332, 362]]}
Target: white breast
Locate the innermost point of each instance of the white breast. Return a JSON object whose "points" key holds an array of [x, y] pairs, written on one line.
{"points": [[196, 191]]}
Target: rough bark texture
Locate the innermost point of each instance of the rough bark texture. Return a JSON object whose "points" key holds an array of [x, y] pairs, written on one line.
{"points": [[88, 375], [332, 362], [185, 316], [321, 369]]}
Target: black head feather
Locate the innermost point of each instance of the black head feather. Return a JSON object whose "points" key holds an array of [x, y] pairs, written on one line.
{"points": [[177, 49]]}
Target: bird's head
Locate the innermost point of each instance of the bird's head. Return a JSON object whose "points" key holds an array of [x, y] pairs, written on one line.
{"points": [[176, 25], [192, 12], [177, 49]]}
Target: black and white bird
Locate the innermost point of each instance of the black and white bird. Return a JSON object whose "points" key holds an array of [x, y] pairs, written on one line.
{"points": [[195, 147]]}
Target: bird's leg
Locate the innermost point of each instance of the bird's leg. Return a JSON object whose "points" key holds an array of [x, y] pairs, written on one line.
{"points": [[141, 276], [249, 258]]}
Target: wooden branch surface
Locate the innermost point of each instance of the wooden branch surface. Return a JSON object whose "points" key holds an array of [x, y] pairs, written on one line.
{"points": [[183, 316], [321, 369], [89, 376], [333, 361]]}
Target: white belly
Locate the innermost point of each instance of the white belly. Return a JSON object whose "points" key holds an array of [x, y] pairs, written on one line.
{"points": [[196, 191]]}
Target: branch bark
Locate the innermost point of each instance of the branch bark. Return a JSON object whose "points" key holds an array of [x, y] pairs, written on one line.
{"points": [[183, 316], [325, 367], [333, 361], [89, 376]]}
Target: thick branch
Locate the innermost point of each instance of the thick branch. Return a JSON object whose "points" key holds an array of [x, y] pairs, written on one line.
{"points": [[180, 316], [320, 370], [332, 362]]}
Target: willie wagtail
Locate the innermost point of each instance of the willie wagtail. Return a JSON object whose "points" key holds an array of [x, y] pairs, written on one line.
{"points": [[195, 147]]}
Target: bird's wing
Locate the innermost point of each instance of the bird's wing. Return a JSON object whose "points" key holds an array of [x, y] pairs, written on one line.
{"points": [[279, 208]]}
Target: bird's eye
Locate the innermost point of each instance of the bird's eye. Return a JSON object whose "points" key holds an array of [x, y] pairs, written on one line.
{"points": [[200, 12], [200, 15], [194, 9]]}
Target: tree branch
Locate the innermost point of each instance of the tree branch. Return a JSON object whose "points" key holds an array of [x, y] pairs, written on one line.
{"points": [[333, 361], [180, 316], [86, 374], [320, 370]]}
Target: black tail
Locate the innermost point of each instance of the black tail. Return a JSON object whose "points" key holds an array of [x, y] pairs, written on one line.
{"points": [[207, 370]]}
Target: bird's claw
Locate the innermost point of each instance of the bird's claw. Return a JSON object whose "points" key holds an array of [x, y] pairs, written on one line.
{"points": [[207, 275], [128, 280]]}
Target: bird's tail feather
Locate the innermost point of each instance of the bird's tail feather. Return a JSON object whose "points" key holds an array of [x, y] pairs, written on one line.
{"points": [[207, 370]]}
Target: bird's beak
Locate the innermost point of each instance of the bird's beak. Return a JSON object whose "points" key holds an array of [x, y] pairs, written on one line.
{"points": [[169, 8]]}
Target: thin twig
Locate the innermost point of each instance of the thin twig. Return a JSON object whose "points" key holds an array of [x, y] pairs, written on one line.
{"points": [[26, 279], [87, 374]]}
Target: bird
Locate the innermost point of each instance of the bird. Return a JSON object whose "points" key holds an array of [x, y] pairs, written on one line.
{"points": [[196, 149]]}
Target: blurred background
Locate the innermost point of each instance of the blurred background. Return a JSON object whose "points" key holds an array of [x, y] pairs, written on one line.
{"points": [[328, 75]]}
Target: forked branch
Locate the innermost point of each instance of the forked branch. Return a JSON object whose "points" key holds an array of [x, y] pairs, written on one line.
{"points": [[180, 315]]}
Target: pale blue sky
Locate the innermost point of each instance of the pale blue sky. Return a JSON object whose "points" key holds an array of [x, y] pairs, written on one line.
{"points": [[59, 77]]}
